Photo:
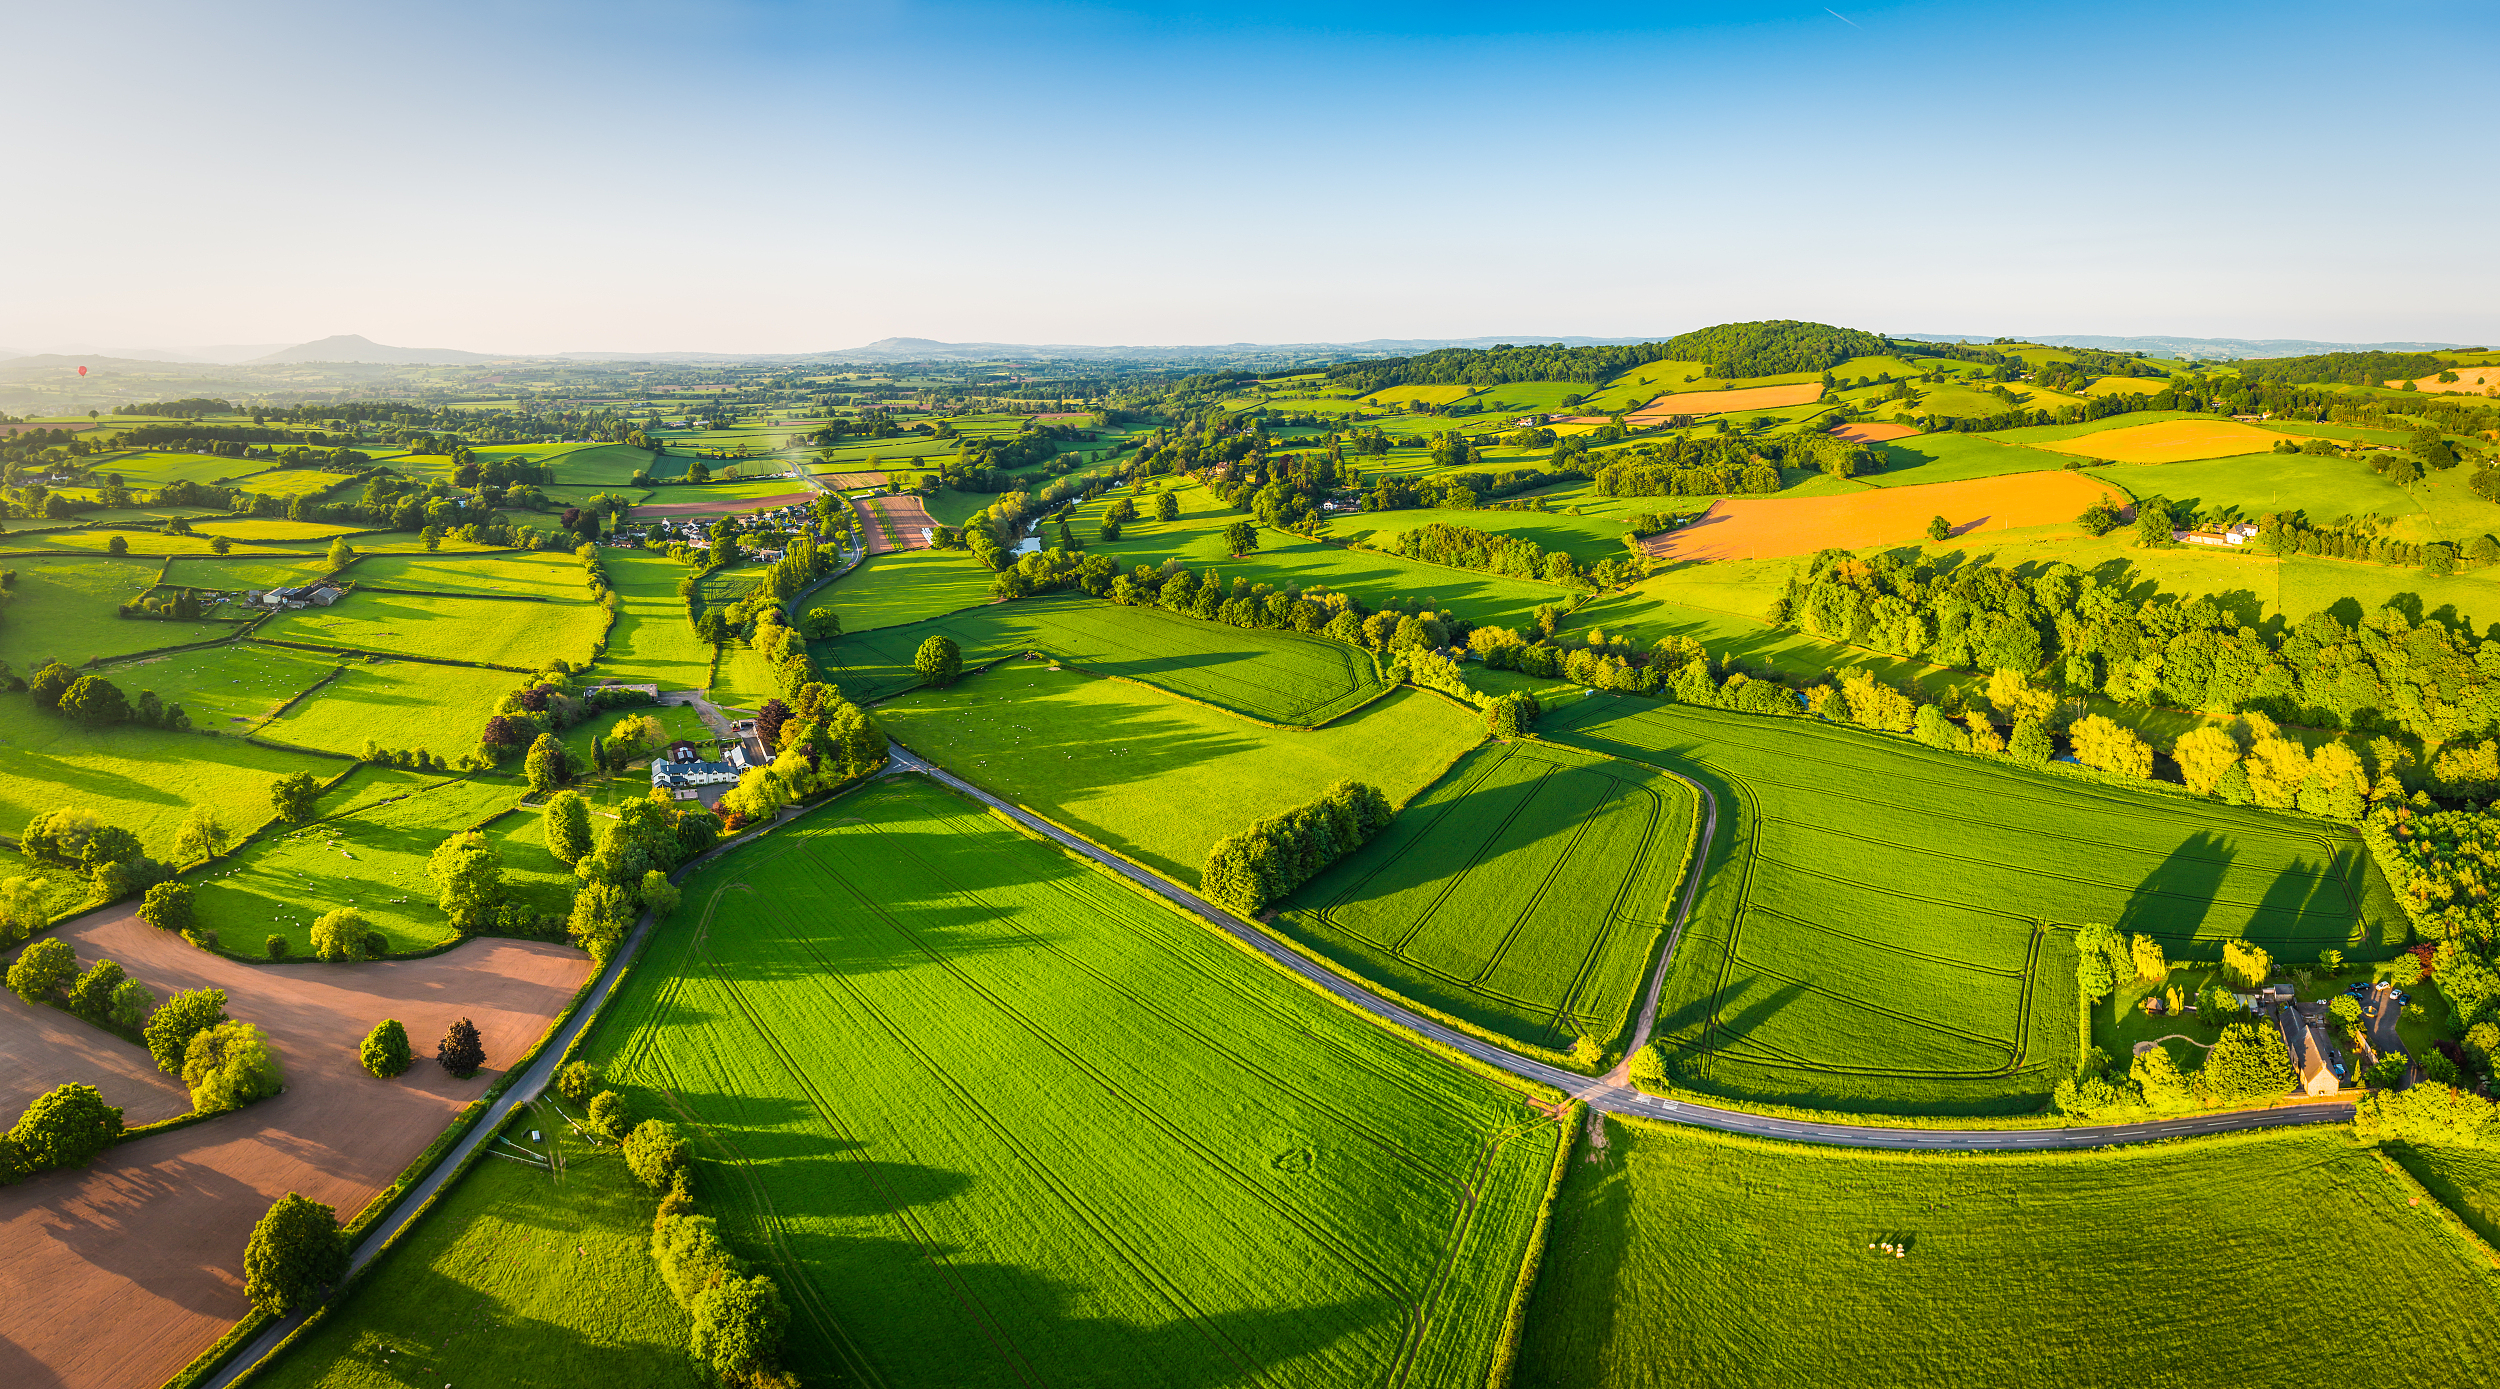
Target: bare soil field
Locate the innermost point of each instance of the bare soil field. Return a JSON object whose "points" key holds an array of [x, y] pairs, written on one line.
{"points": [[847, 481], [119, 1274], [2470, 381], [2171, 441], [1755, 528], [905, 515], [1873, 432], [43, 1047], [720, 508], [1727, 402]]}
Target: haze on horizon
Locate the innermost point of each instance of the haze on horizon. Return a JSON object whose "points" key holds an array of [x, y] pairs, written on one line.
{"points": [[784, 177]]}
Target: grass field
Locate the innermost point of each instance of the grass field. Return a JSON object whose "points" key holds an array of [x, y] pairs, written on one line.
{"points": [[374, 860], [235, 575], [2257, 483], [1280, 677], [514, 1277], [398, 704], [1587, 539], [538, 573], [1155, 778], [2466, 1180], [1001, 1119], [225, 689], [905, 586], [1526, 894], [604, 465], [156, 467], [1680, 1257], [652, 641], [286, 482], [1956, 458], [524, 636], [142, 779], [1196, 539], [1888, 928], [64, 609]]}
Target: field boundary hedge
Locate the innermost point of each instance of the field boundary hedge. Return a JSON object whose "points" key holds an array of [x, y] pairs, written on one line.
{"points": [[252, 734], [388, 655], [2448, 1217], [1515, 1323], [489, 597]]}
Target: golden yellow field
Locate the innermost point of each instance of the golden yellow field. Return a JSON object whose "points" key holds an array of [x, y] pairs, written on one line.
{"points": [[2121, 385], [2470, 381], [2171, 441]]}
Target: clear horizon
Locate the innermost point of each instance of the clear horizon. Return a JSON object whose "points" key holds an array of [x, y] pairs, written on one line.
{"points": [[774, 177]]}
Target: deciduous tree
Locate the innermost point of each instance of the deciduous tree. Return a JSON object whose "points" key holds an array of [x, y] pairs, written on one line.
{"points": [[385, 1050], [66, 1126], [461, 1053], [568, 827], [296, 1250], [168, 907], [340, 934], [229, 1066], [292, 797], [939, 661], [656, 1152], [42, 970], [185, 1015]]}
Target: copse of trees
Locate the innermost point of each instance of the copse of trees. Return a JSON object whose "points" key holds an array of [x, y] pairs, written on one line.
{"points": [[65, 1126], [1249, 870], [98, 703], [113, 860]]}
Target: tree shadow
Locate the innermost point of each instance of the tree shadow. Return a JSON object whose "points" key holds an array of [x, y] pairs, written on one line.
{"points": [[2173, 901]]}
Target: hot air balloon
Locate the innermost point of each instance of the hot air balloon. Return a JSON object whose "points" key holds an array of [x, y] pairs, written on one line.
{"points": [[82, 371]]}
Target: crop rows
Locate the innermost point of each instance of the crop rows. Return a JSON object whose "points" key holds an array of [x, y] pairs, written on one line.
{"points": [[1524, 894], [1279, 677], [1891, 927], [997, 1118]]}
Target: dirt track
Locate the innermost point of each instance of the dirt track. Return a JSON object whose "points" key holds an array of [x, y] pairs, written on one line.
{"points": [[907, 516], [148, 1241], [728, 508], [1753, 528]]}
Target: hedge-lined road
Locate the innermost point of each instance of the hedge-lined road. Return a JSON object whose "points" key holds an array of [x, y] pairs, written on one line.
{"points": [[1612, 1094]]}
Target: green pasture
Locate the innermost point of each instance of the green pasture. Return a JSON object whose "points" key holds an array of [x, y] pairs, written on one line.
{"points": [[2055, 433], [603, 465], [744, 680], [239, 574], [749, 490], [1587, 539], [503, 632], [1287, 560], [2466, 1180], [374, 860], [552, 1278], [1929, 458], [156, 467], [1678, 1256], [1636, 387], [517, 573], [998, 1117], [1526, 894], [271, 530], [152, 544], [904, 586], [66, 608], [1280, 677], [1889, 928], [143, 779], [2327, 489], [1158, 779], [228, 688], [652, 642], [401, 705], [290, 482]]}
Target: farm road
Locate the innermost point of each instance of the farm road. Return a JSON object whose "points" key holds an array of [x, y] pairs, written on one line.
{"points": [[1611, 1094]]}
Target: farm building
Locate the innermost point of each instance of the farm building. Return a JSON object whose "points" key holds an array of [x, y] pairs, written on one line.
{"points": [[2240, 534], [315, 595], [682, 768]]}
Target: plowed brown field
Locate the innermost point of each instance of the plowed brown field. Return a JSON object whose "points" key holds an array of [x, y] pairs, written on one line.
{"points": [[846, 481], [1753, 528], [43, 1047], [1726, 402], [117, 1275], [905, 514], [1873, 431]]}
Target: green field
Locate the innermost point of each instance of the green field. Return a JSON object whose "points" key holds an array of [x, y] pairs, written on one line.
{"points": [[905, 586], [1155, 778], [602, 465], [374, 860], [1888, 928], [1283, 559], [2466, 1180], [401, 705], [535, 574], [64, 609], [1526, 894], [1588, 539], [1679, 1257], [237, 575], [1956, 458], [285, 482], [523, 636], [225, 689], [142, 779], [1002, 1119], [2326, 488], [514, 1277], [156, 467], [652, 642], [1279, 677]]}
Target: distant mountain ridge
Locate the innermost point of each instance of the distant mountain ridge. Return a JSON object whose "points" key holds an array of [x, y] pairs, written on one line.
{"points": [[2191, 347], [933, 350], [350, 347]]}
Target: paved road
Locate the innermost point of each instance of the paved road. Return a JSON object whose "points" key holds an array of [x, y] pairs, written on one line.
{"points": [[1610, 1094]]}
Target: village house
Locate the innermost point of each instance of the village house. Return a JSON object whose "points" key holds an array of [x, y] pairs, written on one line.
{"points": [[2320, 1067], [681, 768], [2240, 534]]}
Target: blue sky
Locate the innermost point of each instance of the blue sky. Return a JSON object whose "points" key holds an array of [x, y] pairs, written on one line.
{"points": [[784, 177]]}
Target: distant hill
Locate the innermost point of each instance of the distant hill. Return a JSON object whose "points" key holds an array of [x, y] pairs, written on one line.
{"points": [[932, 350], [348, 347], [2212, 348]]}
